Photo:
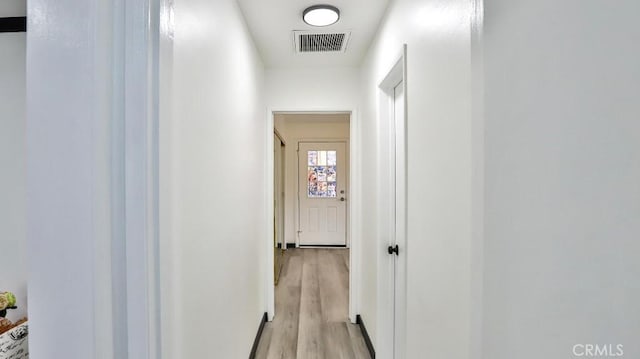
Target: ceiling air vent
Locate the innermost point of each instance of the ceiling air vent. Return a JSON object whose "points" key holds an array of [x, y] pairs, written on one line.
{"points": [[310, 42]]}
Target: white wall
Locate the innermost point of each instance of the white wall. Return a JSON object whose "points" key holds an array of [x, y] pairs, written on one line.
{"points": [[215, 196], [437, 33], [562, 80], [298, 128], [13, 8], [13, 235], [312, 88]]}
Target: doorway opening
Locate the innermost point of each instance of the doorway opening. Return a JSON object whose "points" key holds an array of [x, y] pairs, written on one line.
{"points": [[312, 304], [320, 202]]}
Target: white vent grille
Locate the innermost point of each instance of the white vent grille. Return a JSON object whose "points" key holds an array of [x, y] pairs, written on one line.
{"points": [[309, 42]]}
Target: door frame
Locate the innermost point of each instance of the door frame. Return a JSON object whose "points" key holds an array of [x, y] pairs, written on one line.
{"points": [[353, 211], [387, 288], [297, 203]]}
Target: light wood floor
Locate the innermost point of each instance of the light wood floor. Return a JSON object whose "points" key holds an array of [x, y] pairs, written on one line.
{"points": [[312, 299]]}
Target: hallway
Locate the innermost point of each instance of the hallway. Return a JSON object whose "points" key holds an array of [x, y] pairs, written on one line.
{"points": [[311, 309], [493, 197]]}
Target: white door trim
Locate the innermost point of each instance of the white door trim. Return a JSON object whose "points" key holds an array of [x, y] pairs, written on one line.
{"points": [[354, 209], [140, 63], [386, 316]]}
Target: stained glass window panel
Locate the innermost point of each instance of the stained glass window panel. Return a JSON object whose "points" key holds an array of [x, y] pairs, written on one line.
{"points": [[322, 176], [321, 173], [331, 190], [330, 172], [331, 158], [322, 158], [313, 158]]}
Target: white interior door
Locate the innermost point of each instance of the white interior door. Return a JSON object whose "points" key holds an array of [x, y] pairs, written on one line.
{"points": [[400, 214], [322, 193], [281, 199], [278, 206], [278, 190]]}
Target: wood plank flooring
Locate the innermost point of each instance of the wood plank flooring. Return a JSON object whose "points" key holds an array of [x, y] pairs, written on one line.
{"points": [[312, 299]]}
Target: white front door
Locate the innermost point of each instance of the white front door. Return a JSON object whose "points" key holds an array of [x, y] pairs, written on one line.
{"points": [[322, 193]]}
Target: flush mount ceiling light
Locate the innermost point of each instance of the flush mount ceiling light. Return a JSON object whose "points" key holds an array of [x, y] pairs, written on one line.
{"points": [[321, 15]]}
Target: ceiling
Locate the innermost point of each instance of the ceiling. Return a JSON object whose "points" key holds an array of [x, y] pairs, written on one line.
{"points": [[271, 23]]}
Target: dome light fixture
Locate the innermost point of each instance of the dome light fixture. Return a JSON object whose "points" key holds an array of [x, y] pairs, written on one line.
{"points": [[321, 15]]}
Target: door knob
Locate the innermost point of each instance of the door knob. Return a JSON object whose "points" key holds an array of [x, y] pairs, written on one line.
{"points": [[342, 199], [393, 249]]}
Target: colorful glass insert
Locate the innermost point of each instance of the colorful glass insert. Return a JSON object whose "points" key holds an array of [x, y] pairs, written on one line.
{"points": [[322, 177]]}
